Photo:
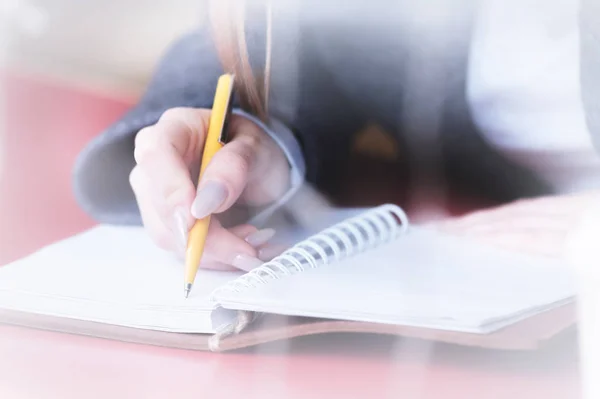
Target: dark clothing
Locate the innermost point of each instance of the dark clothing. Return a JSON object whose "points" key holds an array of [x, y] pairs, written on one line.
{"points": [[334, 71]]}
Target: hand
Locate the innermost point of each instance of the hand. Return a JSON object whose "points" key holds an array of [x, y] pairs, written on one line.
{"points": [[537, 226], [251, 169]]}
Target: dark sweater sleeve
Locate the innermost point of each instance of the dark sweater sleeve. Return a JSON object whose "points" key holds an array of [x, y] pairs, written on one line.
{"points": [[185, 76], [303, 97]]}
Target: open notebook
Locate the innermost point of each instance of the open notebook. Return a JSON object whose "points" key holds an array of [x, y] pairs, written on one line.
{"points": [[372, 270]]}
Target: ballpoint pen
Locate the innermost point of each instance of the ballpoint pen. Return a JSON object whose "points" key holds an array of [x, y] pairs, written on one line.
{"points": [[216, 138]]}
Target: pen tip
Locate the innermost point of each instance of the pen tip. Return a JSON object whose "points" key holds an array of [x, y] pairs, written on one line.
{"points": [[187, 289]]}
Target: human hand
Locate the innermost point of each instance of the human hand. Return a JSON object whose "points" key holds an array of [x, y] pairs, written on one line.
{"points": [[251, 169], [538, 226]]}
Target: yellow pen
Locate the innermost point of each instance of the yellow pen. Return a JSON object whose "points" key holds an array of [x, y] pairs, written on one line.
{"points": [[215, 140]]}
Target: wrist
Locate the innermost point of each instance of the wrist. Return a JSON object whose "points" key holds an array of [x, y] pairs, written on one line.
{"points": [[286, 142]]}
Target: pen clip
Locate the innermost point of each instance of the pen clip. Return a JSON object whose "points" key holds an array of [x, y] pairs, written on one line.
{"points": [[224, 137]]}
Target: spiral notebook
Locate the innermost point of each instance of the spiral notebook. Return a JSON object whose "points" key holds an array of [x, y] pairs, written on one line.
{"points": [[374, 271]]}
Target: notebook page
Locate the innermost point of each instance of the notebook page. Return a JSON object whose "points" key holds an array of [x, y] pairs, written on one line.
{"points": [[421, 280], [112, 275]]}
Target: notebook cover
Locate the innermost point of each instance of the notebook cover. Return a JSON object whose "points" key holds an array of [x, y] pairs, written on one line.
{"points": [[528, 334]]}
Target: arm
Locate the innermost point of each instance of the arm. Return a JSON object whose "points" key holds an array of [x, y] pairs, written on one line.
{"points": [[303, 98], [186, 76], [544, 225], [101, 176]]}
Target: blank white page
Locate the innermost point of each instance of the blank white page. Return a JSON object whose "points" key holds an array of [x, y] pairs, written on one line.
{"points": [[112, 275], [422, 279]]}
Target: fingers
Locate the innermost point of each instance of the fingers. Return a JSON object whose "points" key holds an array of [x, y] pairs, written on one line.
{"points": [[494, 221], [167, 152], [224, 247], [268, 252], [547, 243], [164, 154], [227, 175], [159, 231], [538, 226], [162, 182], [237, 248]]}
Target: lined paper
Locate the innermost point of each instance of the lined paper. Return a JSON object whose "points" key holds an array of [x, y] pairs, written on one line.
{"points": [[113, 275]]}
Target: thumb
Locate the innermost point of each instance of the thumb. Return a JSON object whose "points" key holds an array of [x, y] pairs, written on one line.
{"points": [[226, 176]]}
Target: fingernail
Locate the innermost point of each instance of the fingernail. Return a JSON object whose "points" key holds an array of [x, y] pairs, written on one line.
{"points": [[267, 253], [181, 229], [209, 198], [260, 237], [246, 262]]}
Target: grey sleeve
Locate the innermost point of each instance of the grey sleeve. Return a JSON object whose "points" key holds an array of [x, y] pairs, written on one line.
{"points": [[316, 120], [185, 76]]}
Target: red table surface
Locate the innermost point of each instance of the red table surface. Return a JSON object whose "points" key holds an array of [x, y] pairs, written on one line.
{"points": [[45, 127]]}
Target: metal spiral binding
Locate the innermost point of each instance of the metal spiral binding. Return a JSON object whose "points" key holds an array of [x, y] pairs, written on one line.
{"points": [[373, 228]]}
